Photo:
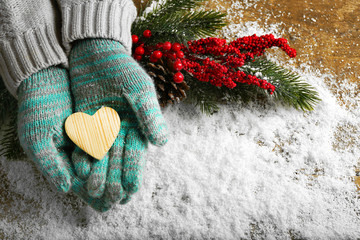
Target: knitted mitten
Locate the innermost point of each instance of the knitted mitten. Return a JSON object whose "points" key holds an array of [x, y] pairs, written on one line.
{"points": [[44, 104], [103, 74]]}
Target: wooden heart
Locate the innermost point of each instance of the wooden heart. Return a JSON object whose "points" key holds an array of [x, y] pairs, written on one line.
{"points": [[94, 134]]}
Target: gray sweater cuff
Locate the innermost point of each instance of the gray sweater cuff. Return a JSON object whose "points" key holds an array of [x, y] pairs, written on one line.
{"points": [[109, 19], [27, 53]]}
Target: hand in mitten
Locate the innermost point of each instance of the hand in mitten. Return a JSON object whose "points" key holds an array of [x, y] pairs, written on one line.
{"points": [[44, 104], [103, 74]]}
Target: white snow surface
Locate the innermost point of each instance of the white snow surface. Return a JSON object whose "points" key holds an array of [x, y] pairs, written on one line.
{"points": [[244, 172]]}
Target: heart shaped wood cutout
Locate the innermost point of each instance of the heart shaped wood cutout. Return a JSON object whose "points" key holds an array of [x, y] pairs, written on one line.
{"points": [[94, 134]]}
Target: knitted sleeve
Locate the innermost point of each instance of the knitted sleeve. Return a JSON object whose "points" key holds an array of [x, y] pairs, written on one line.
{"points": [[35, 34], [30, 39], [109, 19]]}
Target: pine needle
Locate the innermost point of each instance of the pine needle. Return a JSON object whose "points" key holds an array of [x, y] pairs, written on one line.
{"points": [[167, 6], [202, 94], [6, 103], [290, 89], [173, 21], [9, 142]]}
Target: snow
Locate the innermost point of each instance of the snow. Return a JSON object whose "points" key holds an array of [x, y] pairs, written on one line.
{"points": [[248, 171]]}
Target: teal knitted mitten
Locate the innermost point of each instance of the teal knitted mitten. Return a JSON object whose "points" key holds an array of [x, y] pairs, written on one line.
{"points": [[103, 74], [44, 104]]}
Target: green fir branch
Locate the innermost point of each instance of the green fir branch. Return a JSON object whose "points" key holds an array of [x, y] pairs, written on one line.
{"points": [[176, 23], [164, 7], [4, 102], [202, 94], [9, 144], [177, 5], [8, 105], [9, 141], [184, 27], [146, 16], [290, 89], [208, 97]]}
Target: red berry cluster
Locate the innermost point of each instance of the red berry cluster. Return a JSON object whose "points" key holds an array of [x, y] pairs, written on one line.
{"points": [[258, 45], [212, 59], [226, 59], [155, 53]]}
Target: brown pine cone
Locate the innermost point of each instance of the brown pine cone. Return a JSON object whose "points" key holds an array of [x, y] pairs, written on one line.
{"points": [[168, 91]]}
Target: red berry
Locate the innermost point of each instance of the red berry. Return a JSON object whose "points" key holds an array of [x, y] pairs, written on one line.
{"points": [[180, 54], [176, 47], [159, 45], [178, 77], [134, 38], [172, 55], [147, 33], [167, 46], [139, 50], [137, 57], [157, 54], [153, 59], [178, 66]]}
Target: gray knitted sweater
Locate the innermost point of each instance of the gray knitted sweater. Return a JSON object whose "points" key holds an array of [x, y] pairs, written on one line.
{"points": [[36, 34]]}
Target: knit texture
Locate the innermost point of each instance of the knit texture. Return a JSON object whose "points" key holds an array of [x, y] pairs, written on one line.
{"points": [[36, 34], [29, 39], [79, 188], [109, 19], [44, 105], [103, 74]]}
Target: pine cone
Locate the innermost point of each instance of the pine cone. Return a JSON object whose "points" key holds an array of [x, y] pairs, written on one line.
{"points": [[167, 90]]}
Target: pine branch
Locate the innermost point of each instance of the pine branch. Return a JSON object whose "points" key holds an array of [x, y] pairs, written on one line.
{"points": [[165, 7], [9, 142], [8, 104], [208, 96], [3, 100], [177, 5], [289, 88], [245, 93], [182, 27], [174, 22], [168, 6], [202, 94]]}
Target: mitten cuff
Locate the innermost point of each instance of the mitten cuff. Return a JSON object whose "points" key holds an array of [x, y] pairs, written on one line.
{"points": [[110, 19], [27, 53]]}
